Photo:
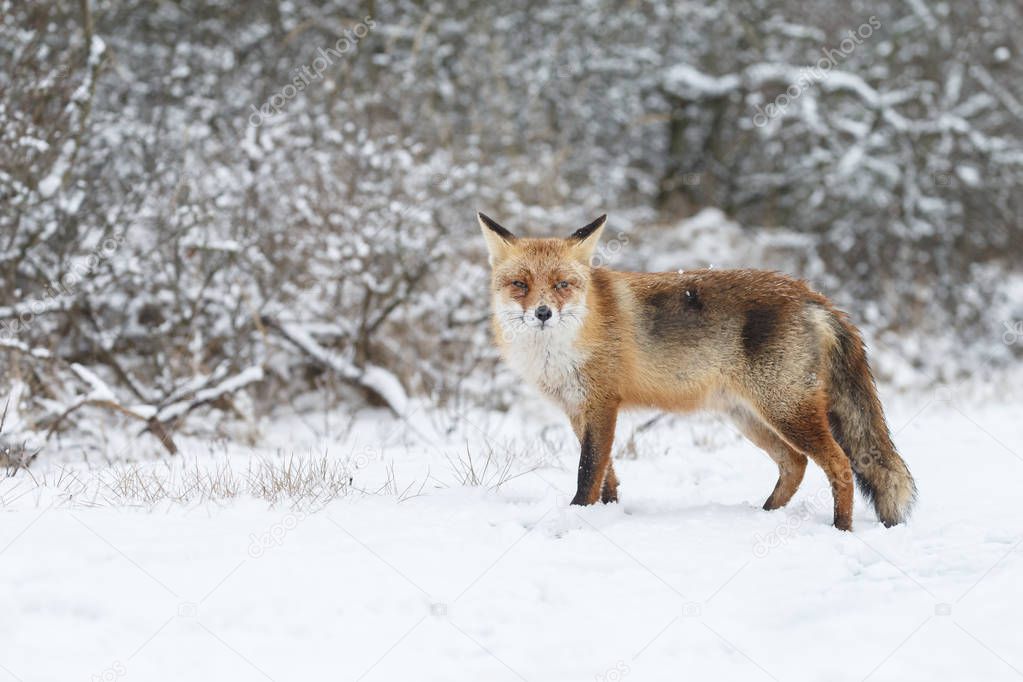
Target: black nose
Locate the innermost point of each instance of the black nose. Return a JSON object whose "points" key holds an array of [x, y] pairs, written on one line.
{"points": [[543, 313]]}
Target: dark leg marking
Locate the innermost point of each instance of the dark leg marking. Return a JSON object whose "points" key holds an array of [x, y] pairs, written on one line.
{"points": [[595, 454], [587, 462], [588, 465]]}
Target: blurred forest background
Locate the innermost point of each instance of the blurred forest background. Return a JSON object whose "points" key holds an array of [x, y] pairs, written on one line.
{"points": [[213, 210]]}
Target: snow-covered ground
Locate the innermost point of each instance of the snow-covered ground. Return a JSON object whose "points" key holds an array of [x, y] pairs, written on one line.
{"points": [[430, 579]]}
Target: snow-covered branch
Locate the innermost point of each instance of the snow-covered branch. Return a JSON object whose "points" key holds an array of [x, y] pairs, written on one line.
{"points": [[381, 385]]}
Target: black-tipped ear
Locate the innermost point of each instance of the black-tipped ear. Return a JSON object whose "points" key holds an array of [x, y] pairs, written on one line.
{"points": [[499, 240], [584, 240], [491, 224], [583, 232]]}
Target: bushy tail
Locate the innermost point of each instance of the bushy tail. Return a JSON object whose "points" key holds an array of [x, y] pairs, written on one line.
{"points": [[858, 424]]}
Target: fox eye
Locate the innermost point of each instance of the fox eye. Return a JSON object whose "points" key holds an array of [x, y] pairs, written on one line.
{"points": [[520, 284], [563, 284]]}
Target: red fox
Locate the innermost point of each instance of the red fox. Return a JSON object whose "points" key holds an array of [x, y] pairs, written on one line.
{"points": [[765, 349]]}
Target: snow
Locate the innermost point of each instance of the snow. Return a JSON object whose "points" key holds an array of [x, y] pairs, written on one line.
{"points": [[387, 386], [248, 259], [377, 379], [40, 353], [227, 387], [100, 391], [969, 175], [463, 583], [49, 185], [686, 81]]}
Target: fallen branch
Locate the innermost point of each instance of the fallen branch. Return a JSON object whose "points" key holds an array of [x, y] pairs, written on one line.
{"points": [[379, 385], [153, 425], [155, 417], [212, 394]]}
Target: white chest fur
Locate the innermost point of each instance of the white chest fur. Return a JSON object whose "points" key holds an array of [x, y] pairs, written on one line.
{"points": [[549, 361], [547, 356]]}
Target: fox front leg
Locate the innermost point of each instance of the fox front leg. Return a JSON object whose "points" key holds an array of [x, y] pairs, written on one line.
{"points": [[609, 491], [596, 436]]}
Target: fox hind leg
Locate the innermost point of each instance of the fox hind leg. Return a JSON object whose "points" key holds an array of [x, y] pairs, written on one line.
{"points": [[806, 429], [791, 463], [609, 491]]}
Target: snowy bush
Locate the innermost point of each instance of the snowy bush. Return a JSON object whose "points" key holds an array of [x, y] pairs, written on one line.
{"points": [[229, 207]]}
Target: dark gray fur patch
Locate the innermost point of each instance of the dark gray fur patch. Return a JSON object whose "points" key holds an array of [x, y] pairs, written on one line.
{"points": [[673, 313], [759, 328]]}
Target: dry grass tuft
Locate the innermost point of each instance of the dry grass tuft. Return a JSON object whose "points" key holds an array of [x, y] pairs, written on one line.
{"points": [[300, 482], [490, 471], [13, 455]]}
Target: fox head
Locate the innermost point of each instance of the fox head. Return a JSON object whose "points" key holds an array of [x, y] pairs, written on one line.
{"points": [[539, 286]]}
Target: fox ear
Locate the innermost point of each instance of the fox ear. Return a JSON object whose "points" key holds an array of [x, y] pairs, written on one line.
{"points": [[498, 238], [584, 240]]}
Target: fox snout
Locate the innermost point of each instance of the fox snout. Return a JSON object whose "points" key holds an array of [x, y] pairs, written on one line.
{"points": [[539, 316]]}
